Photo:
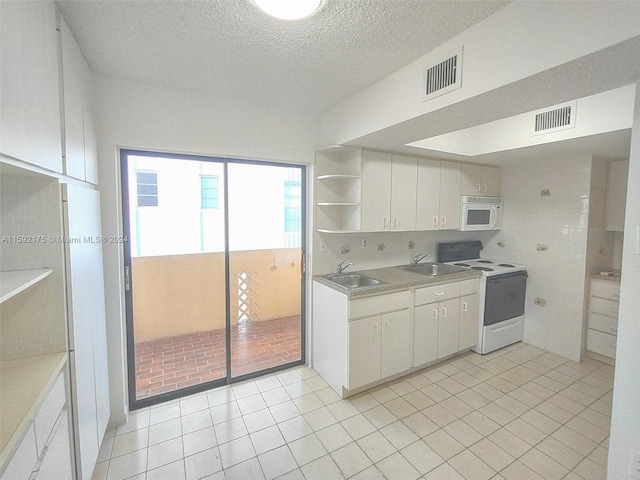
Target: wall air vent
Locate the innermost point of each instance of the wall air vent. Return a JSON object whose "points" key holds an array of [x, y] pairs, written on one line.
{"points": [[555, 119], [443, 77]]}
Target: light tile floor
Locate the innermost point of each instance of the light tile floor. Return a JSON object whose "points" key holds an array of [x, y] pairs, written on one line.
{"points": [[516, 414]]}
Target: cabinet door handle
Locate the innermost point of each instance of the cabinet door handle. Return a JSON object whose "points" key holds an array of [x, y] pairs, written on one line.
{"points": [[479, 188], [464, 306], [387, 326], [435, 314], [395, 222], [435, 221], [486, 188], [385, 222], [375, 328], [444, 312], [444, 221]]}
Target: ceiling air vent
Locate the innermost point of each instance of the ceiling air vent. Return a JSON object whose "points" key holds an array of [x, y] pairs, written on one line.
{"points": [[444, 76], [557, 118]]}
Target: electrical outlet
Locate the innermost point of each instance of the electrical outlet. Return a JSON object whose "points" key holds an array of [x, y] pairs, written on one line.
{"points": [[345, 249], [364, 243], [542, 247], [412, 245], [381, 247], [634, 466], [323, 246]]}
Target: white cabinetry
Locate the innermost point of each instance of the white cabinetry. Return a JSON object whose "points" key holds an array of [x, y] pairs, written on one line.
{"points": [[604, 298], [360, 342], [338, 171], [376, 191], [30, 107], [389, 185], [616, 195], [480, 180], [438, 195], [379, 332], [80, 142], [444, 323], [88, 352]]}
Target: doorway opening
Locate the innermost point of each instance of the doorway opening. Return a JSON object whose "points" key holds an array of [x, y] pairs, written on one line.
{"points": [[214, 266]]}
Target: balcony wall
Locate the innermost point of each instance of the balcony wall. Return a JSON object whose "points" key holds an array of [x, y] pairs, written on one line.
{"points": [[181, 294]]}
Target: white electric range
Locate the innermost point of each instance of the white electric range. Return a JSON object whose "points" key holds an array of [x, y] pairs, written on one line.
{"points": [[501, 296]]}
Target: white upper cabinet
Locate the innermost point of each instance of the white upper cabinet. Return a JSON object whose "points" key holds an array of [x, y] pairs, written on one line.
{"points": [[438, 195], [80, 143], [30, 105], [404, 181], [388, 192], [376, 191], [480, 180], [616, 196]]}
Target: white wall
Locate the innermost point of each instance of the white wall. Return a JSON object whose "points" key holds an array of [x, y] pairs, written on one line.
{"points": [[560, 222], [546, 34], [625, 418], [142, 116]]}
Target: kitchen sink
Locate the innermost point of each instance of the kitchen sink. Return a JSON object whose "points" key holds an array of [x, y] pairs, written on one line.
{"points": [[353, 280], [432, 269]]}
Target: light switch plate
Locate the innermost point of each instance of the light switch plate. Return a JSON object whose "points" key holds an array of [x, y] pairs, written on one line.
{"points": [[323, 246]]}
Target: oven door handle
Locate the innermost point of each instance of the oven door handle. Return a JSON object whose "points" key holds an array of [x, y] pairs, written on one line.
{"points": [[506, 276]]}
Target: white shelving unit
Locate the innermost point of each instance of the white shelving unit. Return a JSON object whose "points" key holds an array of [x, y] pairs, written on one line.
{"points": [[16, 281], [338, 189]]}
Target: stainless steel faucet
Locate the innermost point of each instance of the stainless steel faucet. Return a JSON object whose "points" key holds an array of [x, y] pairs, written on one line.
{"points": [[418, 258], [342, 267]]}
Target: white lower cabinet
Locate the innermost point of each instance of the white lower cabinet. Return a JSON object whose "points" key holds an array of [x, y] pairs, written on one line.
{"points": [[445, 320], [469, 322], [604, 301], [360, 342], [56, 462], [448, 325], [378, 344], [44, 453]]}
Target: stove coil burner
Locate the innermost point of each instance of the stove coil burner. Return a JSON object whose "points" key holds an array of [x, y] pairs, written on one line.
{"points": [[508, 265], [462, 264], [483, 269], [485, 261]]}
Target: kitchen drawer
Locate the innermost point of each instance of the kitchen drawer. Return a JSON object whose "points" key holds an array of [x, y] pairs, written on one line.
{"points": [[605, 289], [365, 307], [49, 412], [603, 323], [437, 293], [603, 307], [601, 343], [24, 459], [468, 287]]}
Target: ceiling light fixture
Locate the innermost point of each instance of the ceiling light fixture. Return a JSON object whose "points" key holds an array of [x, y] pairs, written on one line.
{"points": [[288, 9]]}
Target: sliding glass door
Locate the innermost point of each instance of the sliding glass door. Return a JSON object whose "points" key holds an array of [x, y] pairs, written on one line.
{"points": [[213, 272]]}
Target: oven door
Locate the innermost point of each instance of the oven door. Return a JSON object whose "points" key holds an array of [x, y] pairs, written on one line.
{"points": [[480, 217], [504, 297]]}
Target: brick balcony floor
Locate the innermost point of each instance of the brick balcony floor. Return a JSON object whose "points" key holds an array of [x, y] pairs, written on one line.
{"points": [[168, 364]]}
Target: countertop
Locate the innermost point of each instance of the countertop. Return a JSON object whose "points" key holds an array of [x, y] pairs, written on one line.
{"points": [[395, 279], [24, 385], [614, 277]]}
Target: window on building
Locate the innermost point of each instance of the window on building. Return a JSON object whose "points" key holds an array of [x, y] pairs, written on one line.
{"points": [[292, 206], [209, 191], [147, 188]]}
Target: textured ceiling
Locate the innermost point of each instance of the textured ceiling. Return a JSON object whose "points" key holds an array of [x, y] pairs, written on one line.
{"points": [[231, 49]]}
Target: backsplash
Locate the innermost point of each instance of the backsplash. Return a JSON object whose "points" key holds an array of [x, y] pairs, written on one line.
{"points": [[546, 227], [383, 249]]}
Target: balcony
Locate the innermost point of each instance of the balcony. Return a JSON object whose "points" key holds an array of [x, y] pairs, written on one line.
{"points": [[179, 316]]}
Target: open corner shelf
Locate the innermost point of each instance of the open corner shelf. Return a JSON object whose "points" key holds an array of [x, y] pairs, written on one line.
{"points": [[16, 281]]}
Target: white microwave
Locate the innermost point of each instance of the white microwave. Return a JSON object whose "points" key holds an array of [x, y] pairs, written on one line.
{"points": [[480, 213]]}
